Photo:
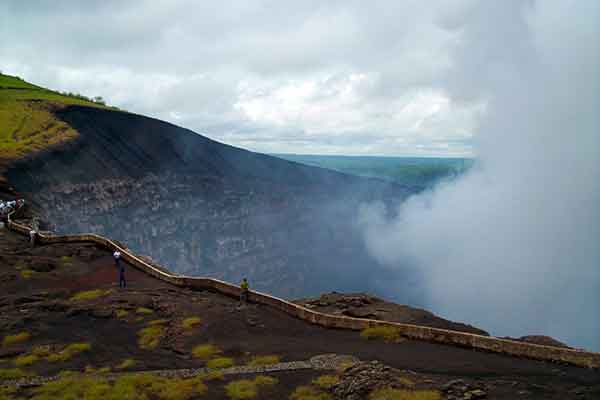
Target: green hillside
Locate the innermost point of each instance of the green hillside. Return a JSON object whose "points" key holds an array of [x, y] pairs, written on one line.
{"points": [[27, 123]]}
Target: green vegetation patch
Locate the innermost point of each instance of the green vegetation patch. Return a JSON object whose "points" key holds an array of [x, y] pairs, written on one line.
{"points": [[246, 388], [191, 322], [41, 351], [122, 313], [26, 360], [220, 362], [326, 381], [27, 273], [150, 337], [126, 364], [27, 120], [264, 360], [387, 333], [69, 352], [400, 394], [158, 322], [17, 338], [205, 351], [138, 387], [66, 261], [309, 393], [90, 295], [144, 311], [7, 374]]}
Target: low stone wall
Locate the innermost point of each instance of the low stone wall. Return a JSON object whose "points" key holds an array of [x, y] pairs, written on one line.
{"points": [[486, 343]]}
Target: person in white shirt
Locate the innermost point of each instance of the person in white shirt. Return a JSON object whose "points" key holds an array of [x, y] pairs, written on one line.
{"points": [[121, 267], [32, 235]]}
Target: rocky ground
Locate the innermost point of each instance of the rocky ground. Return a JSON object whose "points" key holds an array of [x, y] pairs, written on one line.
{"points": [[60, 309], [362, 305]]}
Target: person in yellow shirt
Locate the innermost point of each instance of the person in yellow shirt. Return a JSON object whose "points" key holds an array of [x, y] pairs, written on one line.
{"points": [[244, 293]]}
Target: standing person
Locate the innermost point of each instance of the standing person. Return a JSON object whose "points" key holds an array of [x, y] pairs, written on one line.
{"points": [[32, 235], [121, 267], [244, 293]]}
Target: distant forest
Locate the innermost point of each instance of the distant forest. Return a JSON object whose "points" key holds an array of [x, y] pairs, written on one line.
{"points": [[419, 172]]}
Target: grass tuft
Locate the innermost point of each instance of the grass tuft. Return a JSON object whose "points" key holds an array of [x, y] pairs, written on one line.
{"points": [[241, 389], [69, 352], [88, 295], [309, 393], [220, 362], [66, 261], [144, 311], [41, 351], [126, 364], [264, 360], [326, 381], [27, 273], [205, 351], [191, 322], [150, 337], [122, 313], [26, 360], [387, 333], [17, 338], [158, 322], [400, 394], [264, 380], [13, 373]]}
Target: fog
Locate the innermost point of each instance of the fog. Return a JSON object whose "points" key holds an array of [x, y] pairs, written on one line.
{"points": [[513, 246]]}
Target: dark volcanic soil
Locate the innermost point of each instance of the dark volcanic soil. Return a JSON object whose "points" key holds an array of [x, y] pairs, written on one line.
{"points": [[41, 305]]}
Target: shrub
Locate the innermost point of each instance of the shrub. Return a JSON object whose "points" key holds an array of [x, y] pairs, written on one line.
{"points": [[12, 373], [128, 363], [400, 394], [387, 333], [205, 351], [326, 381], [144, 311], [69, 352], [88, 295], [191, 322], [220, 362], [264, 360], [122, 313], [25, 360], [309, 393], [149, 337], [241, 389], [17, 338]]}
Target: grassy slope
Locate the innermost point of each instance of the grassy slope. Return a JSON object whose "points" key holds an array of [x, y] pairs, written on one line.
{"points": [[27, 124]]}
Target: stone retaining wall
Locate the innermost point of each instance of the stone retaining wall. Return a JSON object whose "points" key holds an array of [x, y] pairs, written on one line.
{"points": [[486, 343]]}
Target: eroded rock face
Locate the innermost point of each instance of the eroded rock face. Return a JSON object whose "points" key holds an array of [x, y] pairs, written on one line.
{"points": [[203, 208]]}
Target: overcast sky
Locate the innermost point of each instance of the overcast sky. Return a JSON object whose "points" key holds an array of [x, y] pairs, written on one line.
{"points": [[335, 77]]}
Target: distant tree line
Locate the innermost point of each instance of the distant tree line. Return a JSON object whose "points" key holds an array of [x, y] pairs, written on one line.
{"points": [[95, 99]]}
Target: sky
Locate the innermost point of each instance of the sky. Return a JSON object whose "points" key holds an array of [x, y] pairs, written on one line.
{"points": [[309, 77], [511, 247]]}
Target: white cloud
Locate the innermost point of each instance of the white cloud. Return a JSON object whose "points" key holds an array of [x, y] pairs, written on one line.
{"points": [[274, 76]]}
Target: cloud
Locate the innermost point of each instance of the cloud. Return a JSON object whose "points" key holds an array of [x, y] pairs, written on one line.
{"points": [[255, 74], [513, 245]]}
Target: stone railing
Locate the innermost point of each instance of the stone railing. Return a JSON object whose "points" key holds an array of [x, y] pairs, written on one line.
{"points": [[463, 339]]}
